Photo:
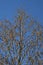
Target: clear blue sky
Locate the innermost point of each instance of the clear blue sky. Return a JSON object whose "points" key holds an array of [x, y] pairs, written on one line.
{"points": [[8, 8]]}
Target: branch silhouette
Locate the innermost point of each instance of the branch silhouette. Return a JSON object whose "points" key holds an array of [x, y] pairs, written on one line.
{"points": [[21, 41]]}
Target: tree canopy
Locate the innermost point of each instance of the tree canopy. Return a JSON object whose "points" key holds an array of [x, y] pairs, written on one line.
{"points": [[21, 42]]}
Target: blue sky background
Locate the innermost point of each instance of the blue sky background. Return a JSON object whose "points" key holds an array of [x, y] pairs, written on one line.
{"points": [[8, 8]]}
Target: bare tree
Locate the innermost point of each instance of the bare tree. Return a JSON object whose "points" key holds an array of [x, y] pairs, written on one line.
{"points": [[21, 41]]}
